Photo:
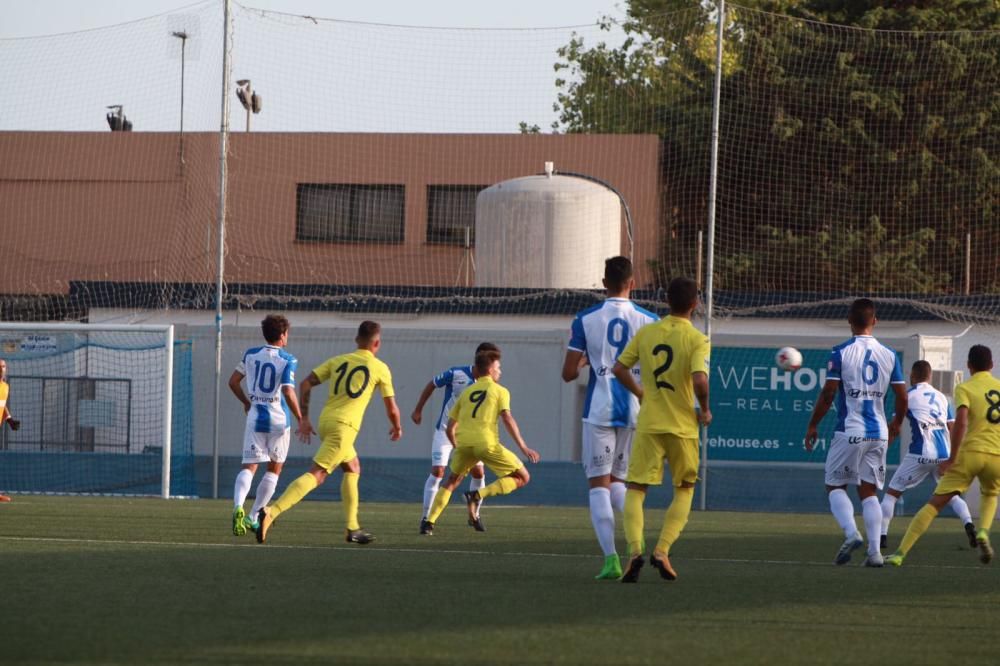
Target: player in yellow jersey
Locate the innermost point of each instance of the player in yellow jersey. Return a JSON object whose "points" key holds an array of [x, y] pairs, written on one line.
{"points": [[472, 430], [355, 377], [5, 415], [673, 358], [975, 453]]}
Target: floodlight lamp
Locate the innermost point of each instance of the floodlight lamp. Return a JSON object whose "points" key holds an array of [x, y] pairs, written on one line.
{"points": [[256, 102], [243, 93]]}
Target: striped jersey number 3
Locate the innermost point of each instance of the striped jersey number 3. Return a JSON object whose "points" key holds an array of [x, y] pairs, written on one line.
{"points": [[668, 352], [342, 373]]}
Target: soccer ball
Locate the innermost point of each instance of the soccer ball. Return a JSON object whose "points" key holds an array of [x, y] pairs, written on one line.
{"points": [[788, 358]]}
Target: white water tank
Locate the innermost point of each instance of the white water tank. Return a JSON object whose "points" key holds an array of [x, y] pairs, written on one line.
{"points": [[547, 231]]}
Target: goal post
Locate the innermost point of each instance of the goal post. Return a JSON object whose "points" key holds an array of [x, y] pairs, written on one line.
{"points": [[98, 408]]}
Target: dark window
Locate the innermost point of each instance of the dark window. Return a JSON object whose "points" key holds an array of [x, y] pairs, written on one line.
{"points": [[350, 213], [451, 209]]}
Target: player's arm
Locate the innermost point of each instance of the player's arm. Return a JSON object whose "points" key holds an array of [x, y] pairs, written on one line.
{"points": [[822, 406], [511, 425], [575, 361], [902, 402], [958, 431], [236, 386], [417, 415], [292, 401], [450, 431], [305, 429], [392, 412], [624, 376], [699, 381], [8, 418]]}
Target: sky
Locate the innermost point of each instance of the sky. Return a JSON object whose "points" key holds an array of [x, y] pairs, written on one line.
{"points": [[360, 66]]}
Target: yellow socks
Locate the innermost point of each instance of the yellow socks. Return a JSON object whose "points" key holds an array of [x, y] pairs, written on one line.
{"points": [[350, 499], [918, 526], [676, 518], [293, 494], [440, 502], [987, 510], [634, 520], [501, 486]]}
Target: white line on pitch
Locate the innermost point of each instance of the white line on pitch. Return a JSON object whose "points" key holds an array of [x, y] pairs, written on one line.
{"points": [[356, 549]]}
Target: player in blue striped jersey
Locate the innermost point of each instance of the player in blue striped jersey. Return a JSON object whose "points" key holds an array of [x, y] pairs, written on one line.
{"points": [[597, 336], [454, 380], [931, 417], [269, 403], [859, 374]]}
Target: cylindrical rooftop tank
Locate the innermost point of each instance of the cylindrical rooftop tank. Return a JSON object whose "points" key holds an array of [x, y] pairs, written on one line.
{"points": [[546, 231]]}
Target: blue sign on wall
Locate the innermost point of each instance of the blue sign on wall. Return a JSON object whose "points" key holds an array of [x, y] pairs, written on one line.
{"points": [[760, 412]]}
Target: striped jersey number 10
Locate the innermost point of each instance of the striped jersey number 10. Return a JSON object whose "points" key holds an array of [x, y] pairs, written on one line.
{"points": [[264, 377]]}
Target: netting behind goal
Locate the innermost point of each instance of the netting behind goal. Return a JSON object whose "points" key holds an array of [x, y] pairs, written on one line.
{"points": [[97, 409]]}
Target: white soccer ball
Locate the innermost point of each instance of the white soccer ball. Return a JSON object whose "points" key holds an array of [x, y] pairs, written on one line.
{"points": [[788, 358]]}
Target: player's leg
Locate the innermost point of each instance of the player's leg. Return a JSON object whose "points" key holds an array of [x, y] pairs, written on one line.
{"points": [[682, 456], [510, 471], [350, 500], [872, 478], [254, 452], [598, 444], [908, 475], [619, 467], [841, 470], [462, 459], [440, 453], [961, 509], [477, 481], [645, 468], [277, 449], [989, 488]]}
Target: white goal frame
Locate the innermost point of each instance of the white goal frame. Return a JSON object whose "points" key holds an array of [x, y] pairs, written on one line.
{"points": [[167, 331]]}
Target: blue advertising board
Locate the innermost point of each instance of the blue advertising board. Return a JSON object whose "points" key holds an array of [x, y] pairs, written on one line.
{"points": [[760, 412]]}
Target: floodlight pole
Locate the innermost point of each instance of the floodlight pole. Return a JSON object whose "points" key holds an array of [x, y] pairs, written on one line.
{"points": [[183, 36], [713, 179], [223, 149]]}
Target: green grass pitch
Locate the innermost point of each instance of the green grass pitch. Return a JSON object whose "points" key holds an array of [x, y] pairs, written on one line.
{"points": [[119, 581]]}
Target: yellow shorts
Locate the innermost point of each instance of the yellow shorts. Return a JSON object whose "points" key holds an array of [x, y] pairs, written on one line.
{"points": [[337, 445], [499, 459], [650, 449], [971, 464]]}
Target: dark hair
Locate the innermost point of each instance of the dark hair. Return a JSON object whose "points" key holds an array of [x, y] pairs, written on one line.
{"points": [[682, 294], [367, 332], [617, 272], [862, 313], [980, 358], [486, 346], [273, 327], [922, 370], [484, 360]]}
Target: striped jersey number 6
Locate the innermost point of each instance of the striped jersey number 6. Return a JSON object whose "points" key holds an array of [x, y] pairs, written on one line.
{"points": [[668, 350], [342, 371], [477, 397]]}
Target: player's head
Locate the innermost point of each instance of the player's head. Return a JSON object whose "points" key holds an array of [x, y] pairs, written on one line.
{"points": [[486, 346], [618, 275], [488, 363], [274, 327], [682, 295], [920, 372], [980, 358], [861, 315], [369, 336], [3, 369]]}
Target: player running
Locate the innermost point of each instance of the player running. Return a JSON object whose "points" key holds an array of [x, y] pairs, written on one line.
{"points": [[858, 376], [355, 377], [598, 335], [975, 453], [270, 376], [472, 430], [454, 380], [674, 363], [931, 418]]}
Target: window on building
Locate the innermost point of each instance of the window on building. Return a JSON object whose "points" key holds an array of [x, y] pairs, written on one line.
{"points": [[451, 209], [335, 213]]}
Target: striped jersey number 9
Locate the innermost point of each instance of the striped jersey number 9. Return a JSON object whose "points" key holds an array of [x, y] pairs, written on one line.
{"points": [[668, 350], [618, 335], [342, 371], [993, 410], [477, 398], [264, 377], [871, 365]]}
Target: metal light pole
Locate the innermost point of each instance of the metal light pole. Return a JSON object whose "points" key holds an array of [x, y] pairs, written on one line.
{"points": [[183, 36]]}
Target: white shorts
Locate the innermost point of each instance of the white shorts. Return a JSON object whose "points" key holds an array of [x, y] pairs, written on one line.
{"points": [[606, 450], [441, 449], [912, 470], [853, 459], [262, 447]]}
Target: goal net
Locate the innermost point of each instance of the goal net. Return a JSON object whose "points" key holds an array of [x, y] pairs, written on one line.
{"points": [[102, 410]]}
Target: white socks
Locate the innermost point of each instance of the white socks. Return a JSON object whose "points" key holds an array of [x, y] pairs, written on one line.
{"points": [[477, 485], [618, 496], [961, 509], [843, 511], [265, 491], [871, 511], [430, 490], [603, 519], [242, 489], [888, 508]]}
